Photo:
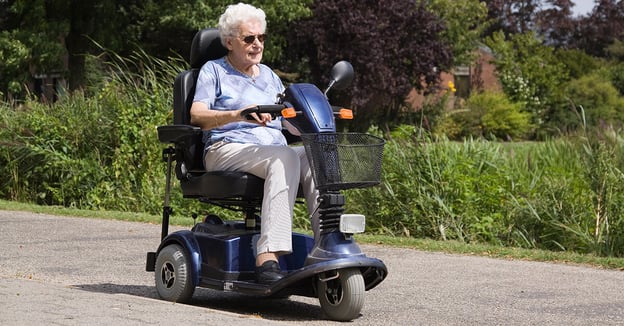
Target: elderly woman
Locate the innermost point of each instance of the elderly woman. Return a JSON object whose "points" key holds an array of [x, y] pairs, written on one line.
{"points": [[225, 87]]}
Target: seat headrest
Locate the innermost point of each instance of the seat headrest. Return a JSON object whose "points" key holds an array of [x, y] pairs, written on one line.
{"points": [[206, 46]]}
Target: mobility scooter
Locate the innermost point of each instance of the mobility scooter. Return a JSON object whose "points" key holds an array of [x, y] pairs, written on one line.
{"points": [[218, 254]]}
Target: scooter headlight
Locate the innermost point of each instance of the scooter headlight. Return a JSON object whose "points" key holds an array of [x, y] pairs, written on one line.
{"points": [[352, 223]]}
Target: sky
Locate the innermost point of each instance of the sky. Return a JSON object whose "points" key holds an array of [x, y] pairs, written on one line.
{"points": [[582, 7]]}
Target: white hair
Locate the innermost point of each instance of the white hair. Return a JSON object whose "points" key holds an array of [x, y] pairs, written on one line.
{"points": [[235, 15]]}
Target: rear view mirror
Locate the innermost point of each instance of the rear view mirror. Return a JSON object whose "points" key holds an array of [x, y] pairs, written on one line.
{"points": [[342, 75]]}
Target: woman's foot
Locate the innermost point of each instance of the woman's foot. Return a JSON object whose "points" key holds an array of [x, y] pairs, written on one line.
{"points": [[268, 272]]}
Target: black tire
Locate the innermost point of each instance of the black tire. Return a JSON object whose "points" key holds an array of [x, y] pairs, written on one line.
{"points": [[173, 277], [342, 298]]}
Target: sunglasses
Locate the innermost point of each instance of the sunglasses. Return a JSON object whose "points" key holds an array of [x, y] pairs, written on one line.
{"points": [[252, 38]]}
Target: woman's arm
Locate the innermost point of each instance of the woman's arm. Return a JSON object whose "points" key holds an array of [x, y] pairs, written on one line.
{"points": [[207, 119]]}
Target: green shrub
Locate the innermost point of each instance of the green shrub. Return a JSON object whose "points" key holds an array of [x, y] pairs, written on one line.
{"points": [[598, 98], [617, 77], [530, 73], [55, 154], [577, 62], [490, 115], [98, 152]]}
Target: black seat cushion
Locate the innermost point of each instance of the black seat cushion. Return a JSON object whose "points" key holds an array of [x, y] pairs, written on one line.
{"points": [[223, 185]]}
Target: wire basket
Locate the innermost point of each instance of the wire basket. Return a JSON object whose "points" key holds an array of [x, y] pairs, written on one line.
{"points": [[344, 160]]}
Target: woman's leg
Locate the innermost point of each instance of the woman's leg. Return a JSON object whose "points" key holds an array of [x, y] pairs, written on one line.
{"points": [[309, 190], [279, 166]]}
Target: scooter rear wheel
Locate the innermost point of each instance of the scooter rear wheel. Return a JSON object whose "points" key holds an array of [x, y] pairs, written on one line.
{"points": [[173, 274], [342, 297]]}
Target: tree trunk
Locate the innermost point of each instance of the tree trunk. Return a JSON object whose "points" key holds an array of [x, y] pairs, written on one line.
{"points": [[81, 24]]}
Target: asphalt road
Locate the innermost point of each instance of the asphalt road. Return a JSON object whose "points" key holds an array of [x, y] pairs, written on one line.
{"points": [[77, 271]]}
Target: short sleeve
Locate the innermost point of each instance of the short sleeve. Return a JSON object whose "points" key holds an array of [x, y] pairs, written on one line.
{"points": [[207, 84]]}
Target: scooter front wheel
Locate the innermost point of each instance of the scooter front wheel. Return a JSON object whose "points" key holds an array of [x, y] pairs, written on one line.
{"points": [[173, 274], [341, 294]]}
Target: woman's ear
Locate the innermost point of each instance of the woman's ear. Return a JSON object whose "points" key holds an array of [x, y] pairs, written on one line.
{"points": [[228, 43]]}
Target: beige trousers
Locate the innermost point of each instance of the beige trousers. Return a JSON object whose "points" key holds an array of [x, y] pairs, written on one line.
{"points": [[283, 168]]}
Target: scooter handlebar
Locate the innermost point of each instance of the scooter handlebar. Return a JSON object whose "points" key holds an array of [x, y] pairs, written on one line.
{"points": [[274, 109]]}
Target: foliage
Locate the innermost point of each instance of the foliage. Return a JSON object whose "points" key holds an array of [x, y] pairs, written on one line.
{"points": [[24, 50], [164, 31], [431, 116], [617, 77], [577, 62], [432, 189], [554, 22], [530, 74], [615, 51], [605, 170], [52, 30], [522, 16], [140, 98], [13, 55], [490, 115], [600, 100], [555, 195], [401, 48], [464, 24], [95, 152], [604, 26], [45, 157], [281, 15]]}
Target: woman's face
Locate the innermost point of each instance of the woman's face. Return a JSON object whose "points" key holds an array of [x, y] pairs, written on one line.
{"points": [[247, 54]]}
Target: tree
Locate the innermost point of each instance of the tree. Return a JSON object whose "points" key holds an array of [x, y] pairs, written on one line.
{"points": [[394, 46], [25, 50], [552, 20], [512, 17], [556, 24], [603, 27], [465, 21], [530, 73], [58, 34]]}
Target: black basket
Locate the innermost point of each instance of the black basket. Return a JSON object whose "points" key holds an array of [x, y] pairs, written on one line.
{"points": [[344, 160]]}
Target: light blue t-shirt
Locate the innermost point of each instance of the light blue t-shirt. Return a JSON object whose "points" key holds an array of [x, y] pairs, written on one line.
{"points": [[221, 87]]}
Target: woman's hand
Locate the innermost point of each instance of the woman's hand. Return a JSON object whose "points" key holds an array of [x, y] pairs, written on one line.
{"points": [[262, 118], [259, 118]]}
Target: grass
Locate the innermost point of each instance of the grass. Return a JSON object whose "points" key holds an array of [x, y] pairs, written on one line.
{"points": [[452, 247]]}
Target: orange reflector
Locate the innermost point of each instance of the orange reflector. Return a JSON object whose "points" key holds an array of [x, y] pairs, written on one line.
{"points": [[345, 114], [289, 113]]}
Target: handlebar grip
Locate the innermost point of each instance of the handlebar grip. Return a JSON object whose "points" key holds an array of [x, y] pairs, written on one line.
{"points": [[273, 109], [246, 112]]}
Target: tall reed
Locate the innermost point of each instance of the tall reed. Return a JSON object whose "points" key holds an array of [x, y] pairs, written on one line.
{"points": [[561, 194]]}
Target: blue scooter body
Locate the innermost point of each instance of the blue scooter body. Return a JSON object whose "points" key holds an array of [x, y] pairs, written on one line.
{"points": [[316, 116]]}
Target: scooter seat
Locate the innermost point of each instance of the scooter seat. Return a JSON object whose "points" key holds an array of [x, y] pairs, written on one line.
{"points": [[222, 185]]}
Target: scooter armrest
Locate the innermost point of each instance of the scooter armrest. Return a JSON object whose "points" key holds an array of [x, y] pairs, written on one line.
{"points": [[177, 133]]}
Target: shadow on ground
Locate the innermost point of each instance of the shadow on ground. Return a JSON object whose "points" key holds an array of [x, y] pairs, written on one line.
{"points": [[294, 308]]}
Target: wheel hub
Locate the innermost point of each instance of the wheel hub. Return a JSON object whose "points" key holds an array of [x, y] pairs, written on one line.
{"points": [[167, 274], [333, 293]]}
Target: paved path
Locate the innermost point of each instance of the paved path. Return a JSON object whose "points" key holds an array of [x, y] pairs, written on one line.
{"points": [[77, 271]]}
